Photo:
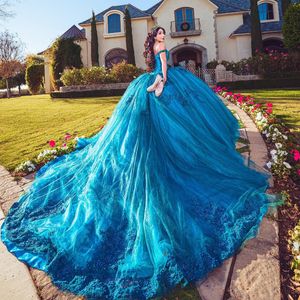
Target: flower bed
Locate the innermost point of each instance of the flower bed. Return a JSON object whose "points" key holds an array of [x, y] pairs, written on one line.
{"points": [[67, 145], [284, 163], [285, 153]]}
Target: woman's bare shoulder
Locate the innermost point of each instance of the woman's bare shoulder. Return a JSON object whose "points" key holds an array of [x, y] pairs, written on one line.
{"points": [[161, 46]]}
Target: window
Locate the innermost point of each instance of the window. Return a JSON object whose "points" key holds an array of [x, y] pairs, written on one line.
{"points": [[114, 23], [266, 11], [184, 15]]}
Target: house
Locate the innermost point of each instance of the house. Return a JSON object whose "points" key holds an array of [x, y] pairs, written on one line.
{"points": [[197, 31]]}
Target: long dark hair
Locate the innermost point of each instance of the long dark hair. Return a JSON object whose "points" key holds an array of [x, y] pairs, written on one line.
{"points": [[149, 52]]}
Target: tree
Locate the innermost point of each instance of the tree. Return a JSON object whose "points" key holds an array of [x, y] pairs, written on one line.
{"points": [[64, 54], [34, 77], [4, 12], [94, 42], [284, 5], [19, 79], [34, 59], [256, 37], [10, 57], [129, 39], [291, 28]]}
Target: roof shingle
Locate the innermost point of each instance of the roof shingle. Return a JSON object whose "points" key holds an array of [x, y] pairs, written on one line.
{"points": [[134, 13]]}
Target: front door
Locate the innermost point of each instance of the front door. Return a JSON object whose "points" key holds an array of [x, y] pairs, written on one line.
{"points": [[190, 59]]}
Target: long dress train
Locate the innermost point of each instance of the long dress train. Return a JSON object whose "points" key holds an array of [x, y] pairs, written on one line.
{"points": [[158, 197]]}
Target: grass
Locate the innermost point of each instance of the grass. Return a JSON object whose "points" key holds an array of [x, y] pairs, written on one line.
{"points": [[29, 122], [286, 105]]}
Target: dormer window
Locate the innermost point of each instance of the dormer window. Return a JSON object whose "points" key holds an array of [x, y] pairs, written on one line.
{"points": [[114, 23], [266, 11]]}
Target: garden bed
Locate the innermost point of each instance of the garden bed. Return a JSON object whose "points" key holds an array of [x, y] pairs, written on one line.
{"points": [[284, 162], [93, 90]]}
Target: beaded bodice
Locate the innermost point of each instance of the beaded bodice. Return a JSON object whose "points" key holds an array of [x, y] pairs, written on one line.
{"points": [[158, 68]]}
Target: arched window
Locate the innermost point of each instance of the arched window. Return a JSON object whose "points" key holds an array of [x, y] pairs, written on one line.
{"points": [[184, 15], [266, 11], [114, 23]]}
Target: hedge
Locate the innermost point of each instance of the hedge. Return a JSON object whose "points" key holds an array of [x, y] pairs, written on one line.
{"points": [[84, 94], [262, 84]]}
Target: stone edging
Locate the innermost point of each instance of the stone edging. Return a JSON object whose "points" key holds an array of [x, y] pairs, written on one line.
{"points": [[92, 87], [254, 272]]}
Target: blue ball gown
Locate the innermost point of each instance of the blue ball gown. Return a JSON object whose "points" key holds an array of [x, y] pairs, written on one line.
{"points": [[158, 197]]}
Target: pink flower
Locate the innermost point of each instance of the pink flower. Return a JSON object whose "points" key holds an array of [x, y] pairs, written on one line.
{"points": [[296, 154], [269, 104], [64, 144], [52, 143], [68, 136], [269, 110]]}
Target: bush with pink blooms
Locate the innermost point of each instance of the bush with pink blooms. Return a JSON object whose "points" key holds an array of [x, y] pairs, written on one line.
{"points": [[270, 64], [284, 163], [284, 150]]}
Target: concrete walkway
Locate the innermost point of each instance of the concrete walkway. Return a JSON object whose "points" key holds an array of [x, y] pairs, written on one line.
{"points": [[253, 273]]}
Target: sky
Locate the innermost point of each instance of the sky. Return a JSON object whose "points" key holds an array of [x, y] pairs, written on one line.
{"points": [[38, 23]]}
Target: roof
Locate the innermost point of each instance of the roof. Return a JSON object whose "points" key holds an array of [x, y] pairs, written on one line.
{"points": [[265, 26], [134, 13], [227, 6], [224, 6], [73, 33], [153, 8]]}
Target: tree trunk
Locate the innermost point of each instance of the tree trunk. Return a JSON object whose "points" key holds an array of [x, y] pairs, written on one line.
{"points": [[7, 88]]}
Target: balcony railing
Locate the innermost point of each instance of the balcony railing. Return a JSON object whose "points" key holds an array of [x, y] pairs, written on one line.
{"points": [[185, 28]]}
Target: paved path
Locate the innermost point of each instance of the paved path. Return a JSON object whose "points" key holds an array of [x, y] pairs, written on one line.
{"points": [[253, 273]]}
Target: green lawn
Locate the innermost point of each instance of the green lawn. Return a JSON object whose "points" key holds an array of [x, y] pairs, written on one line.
{"points": [[29, 122], [286, 104]]}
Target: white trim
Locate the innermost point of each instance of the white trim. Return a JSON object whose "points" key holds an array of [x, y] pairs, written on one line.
{"points": [[275, 10], [105, 18], [233, 13], [102, 22]]}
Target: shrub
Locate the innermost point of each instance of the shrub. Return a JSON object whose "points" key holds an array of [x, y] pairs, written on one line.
{"points": [[34, 77], [121, 72], [72, 76], [262, 84], [64, 53], [239, 68], [291, 27], [124, 72], [263, 64], [94, 75]]}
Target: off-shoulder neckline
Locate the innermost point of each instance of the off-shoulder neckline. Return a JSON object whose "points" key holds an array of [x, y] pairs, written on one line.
{"points": [[161, 51]]}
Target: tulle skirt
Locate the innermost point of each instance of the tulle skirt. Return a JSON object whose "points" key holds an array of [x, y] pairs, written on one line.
{"points": [[158, 197]]}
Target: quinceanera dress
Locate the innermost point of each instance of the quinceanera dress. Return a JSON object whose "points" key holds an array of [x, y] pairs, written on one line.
{"points": [[158, 197]]}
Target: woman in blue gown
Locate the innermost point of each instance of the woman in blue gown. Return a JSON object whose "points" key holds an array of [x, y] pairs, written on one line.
{"points": [[159, 197]]}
